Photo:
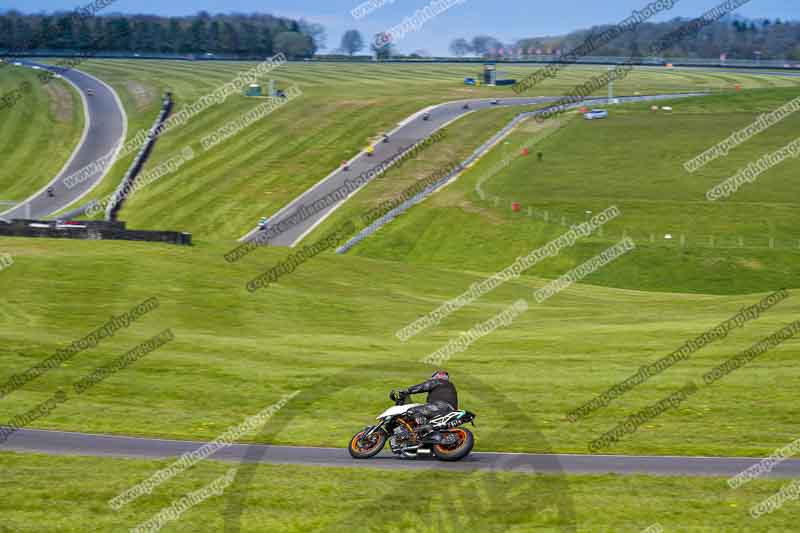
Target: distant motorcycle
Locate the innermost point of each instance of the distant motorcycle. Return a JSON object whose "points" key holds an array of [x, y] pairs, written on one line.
{"points": [[446, 440]]}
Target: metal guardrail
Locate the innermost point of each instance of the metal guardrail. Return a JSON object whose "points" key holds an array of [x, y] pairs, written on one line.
{"points": [[432, 188], [533, 59], [480, 152], [119, 196]]}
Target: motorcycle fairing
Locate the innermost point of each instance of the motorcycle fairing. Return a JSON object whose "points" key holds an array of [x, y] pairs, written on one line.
{"points": [[397, 410]]}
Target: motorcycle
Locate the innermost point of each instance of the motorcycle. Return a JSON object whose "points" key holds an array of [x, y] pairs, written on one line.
{"points": [[445, 439]]}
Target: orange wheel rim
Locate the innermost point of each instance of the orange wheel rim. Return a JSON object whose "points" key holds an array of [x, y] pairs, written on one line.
{"points": [[354, 443], [462, 434]]}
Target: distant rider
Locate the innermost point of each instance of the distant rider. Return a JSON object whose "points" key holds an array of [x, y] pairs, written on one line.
{"points": [[442, 399]]}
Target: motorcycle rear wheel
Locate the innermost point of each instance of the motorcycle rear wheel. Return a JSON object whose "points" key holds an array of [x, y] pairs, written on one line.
{"points": [[459, 450], [373, 447]]}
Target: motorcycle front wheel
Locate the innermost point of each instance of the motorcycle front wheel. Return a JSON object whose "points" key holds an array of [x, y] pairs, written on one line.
{"points": [[362, 447], [457, 450]]}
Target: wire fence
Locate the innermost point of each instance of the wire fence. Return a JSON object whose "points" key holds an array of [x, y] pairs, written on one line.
{"points": [[676, 240], [480, 152]]}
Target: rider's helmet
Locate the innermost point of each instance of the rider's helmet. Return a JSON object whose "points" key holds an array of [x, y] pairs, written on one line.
{"points": [[441, 374]]}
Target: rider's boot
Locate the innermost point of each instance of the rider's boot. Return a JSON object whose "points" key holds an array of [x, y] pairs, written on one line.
{"points": [[425, 433]]}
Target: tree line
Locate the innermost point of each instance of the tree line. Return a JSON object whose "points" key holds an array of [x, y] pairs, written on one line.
{"points": [[259, 35], [737, 38], [252, 35]]}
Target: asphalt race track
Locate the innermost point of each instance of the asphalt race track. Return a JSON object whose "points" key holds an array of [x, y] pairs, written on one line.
{"points": [[65, 443], [411, 131], [106, 127]]}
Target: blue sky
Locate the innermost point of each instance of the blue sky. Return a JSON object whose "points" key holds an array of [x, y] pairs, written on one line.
{"points": [[506, 20]]}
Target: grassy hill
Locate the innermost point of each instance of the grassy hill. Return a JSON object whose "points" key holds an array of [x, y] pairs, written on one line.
{"points": [[328, 330], [223, 192], [333, 320], [46, 120], [336, 315], [634, 160]]}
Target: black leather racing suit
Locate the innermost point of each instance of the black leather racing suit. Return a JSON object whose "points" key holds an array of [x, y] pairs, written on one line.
{"points": [[442, 399]]}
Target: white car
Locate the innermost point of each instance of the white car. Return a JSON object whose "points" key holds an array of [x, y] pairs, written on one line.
{"points": [[595, 113]]}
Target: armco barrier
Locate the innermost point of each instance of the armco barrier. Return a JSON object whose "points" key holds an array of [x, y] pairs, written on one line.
{"points": [[544, 59], [118, 198], [89, 230], [483, 149], [433, 187]]}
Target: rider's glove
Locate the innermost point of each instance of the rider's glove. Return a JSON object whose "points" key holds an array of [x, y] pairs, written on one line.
{"points": [[397, 395]]}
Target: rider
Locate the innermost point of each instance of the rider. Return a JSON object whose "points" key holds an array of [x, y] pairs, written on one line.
{"points": [[442, 399]]}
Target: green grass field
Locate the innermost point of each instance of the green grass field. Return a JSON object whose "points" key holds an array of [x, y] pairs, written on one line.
{"points": [[223, 192], [634, 160], [297, 499], [47, 119], [328, 329]]}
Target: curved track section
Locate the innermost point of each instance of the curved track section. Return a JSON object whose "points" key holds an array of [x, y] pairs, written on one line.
{"points": [[477, 154], [411, 131], [65, 443], [407, 134], [104, 132]]}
